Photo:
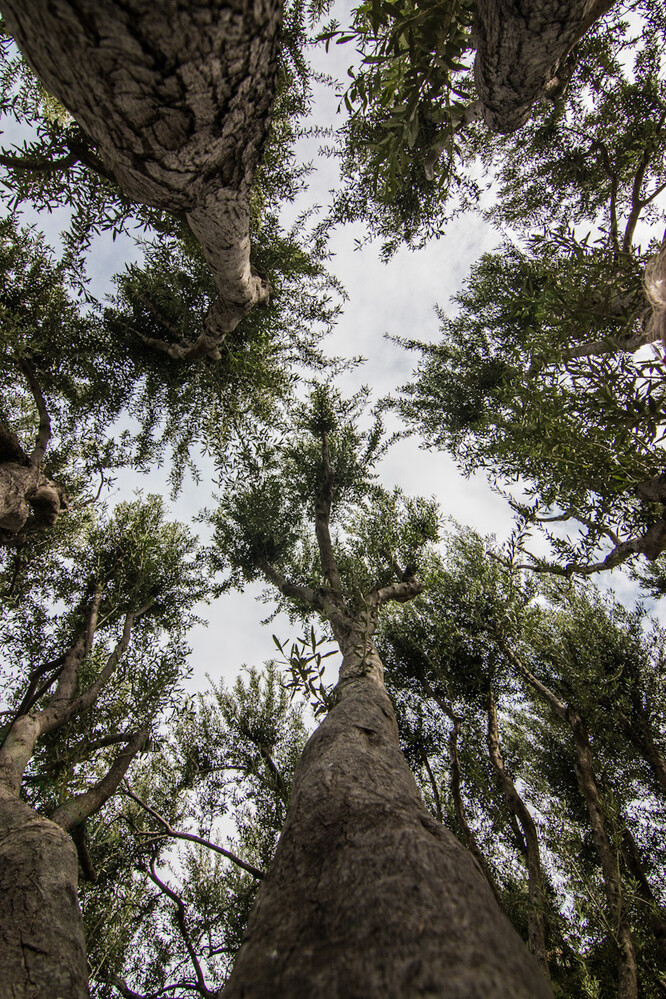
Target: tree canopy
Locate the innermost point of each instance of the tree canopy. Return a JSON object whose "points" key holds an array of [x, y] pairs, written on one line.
{"points": [[450, 780]]}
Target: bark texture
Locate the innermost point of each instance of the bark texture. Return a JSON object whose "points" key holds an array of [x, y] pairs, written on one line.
{"points": [[41, 917], [177, 98], [27, 496], [521, 53], [369, 896]]}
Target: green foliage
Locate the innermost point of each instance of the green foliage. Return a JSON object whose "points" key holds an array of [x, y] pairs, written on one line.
{"points": [[461, 638], [267, 514], [532, 382], [305, 662], [140, 563], [223, 774]]}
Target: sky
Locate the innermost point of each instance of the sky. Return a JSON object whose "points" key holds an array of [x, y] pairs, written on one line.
{"points": [[398, 298]]}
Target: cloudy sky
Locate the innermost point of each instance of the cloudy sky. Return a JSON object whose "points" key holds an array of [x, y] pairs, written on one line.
{"points": [[396, 298]]}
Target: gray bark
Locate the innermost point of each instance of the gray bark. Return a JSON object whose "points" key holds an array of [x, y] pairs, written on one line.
{"points": [[41, 918], [368, 895], [521, 53], [177, 97]]}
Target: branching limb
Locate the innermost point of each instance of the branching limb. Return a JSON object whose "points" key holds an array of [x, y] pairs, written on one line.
{"points": [[402, 592], [323, 504], [44, 432], [76, 809], [305, 593], [184, 932], [637, 204], [190, 837], [33, 694], [602, 149], [557, 705]]}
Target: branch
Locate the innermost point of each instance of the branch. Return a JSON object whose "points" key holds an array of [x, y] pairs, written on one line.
{"points": [[435, 791], [203, 346], [176, 834], [305, 593], [89, 696], [182, 925], [636, 204], [44, 432], [651, 545], [32, 694], [402, 592], [574, 515], [323, 503], [542, 689], [78, 834], [612, 176], [41, 165], [76, 809]]}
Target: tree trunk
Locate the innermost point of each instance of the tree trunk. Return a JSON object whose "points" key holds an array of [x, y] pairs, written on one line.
{"points": [[521, 53], [42, 949], [536, 922], [627, 965], [177, 97], [368, 896]]}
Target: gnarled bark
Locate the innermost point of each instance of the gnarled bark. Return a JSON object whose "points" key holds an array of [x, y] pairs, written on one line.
{"points": [[177, 97], [521, 53], [368, 896], [42, 949], [27, 498]]}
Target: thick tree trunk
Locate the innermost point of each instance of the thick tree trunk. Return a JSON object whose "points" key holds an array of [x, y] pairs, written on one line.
{"points": [[627, 964], [42, 949], [521, 53], [177, 97], [536, 920], [368, 896]]}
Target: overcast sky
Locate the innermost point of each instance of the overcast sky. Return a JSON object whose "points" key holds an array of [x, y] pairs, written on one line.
{"points": [[397, 298]]}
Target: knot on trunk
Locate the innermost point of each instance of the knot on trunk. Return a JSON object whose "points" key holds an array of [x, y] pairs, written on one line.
{"points": [[654, 282]]}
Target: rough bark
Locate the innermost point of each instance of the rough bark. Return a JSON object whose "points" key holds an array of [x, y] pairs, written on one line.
{"points": [[536, 920], [177, 98], [368, 895], [521, 53], [41, 917], [27, 499], [41, 933]]}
